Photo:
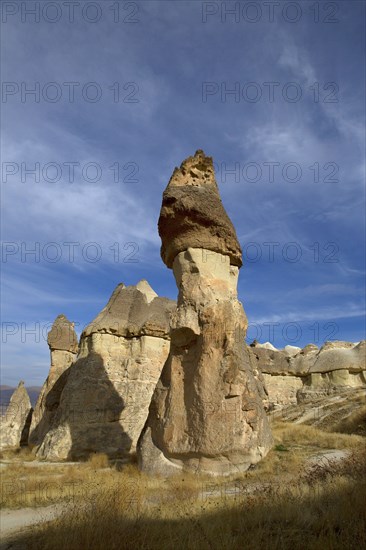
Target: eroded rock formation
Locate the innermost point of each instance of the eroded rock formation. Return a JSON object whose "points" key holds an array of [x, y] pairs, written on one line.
{"points": [[63, 344], [105, 401], [206, 413], [14, 425], [300, 375]]}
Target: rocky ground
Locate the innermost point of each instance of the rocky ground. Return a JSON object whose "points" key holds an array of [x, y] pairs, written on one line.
{"points": [[344, 412]]}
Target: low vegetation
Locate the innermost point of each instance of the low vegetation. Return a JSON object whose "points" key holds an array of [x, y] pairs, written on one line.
{"points": [[355, 423], [286, 501]]}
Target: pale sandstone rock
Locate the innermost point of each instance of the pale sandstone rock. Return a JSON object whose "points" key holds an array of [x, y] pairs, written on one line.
{"points": [[206, 413], [337, 366], [63, 344], [62, 335], [282, 390], [267, 345], [333, 356], [14, 425], [105, 401], [292, 350], [310, 372]]}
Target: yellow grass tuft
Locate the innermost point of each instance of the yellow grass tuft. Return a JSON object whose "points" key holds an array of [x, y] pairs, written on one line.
{"points": [[98, 460]]}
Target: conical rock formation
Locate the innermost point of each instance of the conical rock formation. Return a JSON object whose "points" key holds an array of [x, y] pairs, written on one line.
{"points": [[63, 344], [206, 413], [105, 401], [14, 425]]}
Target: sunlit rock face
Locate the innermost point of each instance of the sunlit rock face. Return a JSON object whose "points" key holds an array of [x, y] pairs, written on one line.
{"points": [[206, 413], [63, 344], [300, 375], [337, 366], [104, 403], [14, 425]]}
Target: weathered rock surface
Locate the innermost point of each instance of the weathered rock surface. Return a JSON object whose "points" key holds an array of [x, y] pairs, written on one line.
{"points": [[338, 365], [338, 411], [192, 214], [105, 401], [309, 373], [14, 425], [206, 413], [63, 344], [62, 336], [282, 390]]}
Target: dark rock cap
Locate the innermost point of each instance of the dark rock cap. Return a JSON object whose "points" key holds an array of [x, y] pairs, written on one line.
{"points": [[192, 214], [62, 335]]}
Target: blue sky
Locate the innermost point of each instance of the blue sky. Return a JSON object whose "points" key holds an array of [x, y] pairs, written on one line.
{"points": [[298, 111]]}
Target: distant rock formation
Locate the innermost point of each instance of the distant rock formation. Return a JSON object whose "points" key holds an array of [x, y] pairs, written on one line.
{"points": [[14, 425], [206, 413], [63, 344], [299, 375], [105, 401]]}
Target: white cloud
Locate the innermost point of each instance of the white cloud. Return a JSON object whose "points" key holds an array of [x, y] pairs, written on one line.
{"points": [[331, 313]]}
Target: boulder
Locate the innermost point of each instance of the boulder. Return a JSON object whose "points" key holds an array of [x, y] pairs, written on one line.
{"points": [[14, 425], [206, 413], [105, 401]]}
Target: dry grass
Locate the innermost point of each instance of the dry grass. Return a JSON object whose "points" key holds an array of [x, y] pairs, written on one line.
{"points": [[33, 484], [98, 460], [355, 423], [301, 434], [22, 454], [278, 504], [327, 514]]}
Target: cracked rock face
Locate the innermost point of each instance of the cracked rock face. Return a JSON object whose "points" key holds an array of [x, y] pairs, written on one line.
{"points": [[63, 344], [206, 413], [105, 401], [16, 421]]}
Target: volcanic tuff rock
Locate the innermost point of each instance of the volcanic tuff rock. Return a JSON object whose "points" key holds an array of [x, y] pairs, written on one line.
{"points": [[206, 413], [62, 336], [192, 214], [292, 377], [63, 344], [105, 401], [14, 425]]}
